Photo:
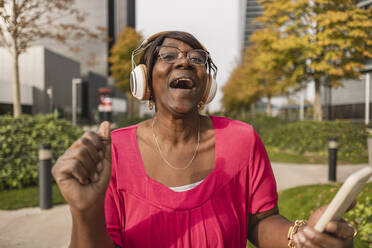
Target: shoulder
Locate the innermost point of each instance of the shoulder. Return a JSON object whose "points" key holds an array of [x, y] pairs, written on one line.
{"points": [[236, 140], [123, 130], [122, 134], [223, 122], [131, 133], [233, 128]]}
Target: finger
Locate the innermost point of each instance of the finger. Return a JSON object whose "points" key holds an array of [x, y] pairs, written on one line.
{"points": [[72, 169], [104, 175], [340, 229], [318, 239], [95, 139], [352, 205], [93, 136], [301, 241], [315, 216], [93, 151], [82, 155]]}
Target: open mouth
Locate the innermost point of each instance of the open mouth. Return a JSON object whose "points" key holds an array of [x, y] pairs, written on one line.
{"points": [[182, 83]]}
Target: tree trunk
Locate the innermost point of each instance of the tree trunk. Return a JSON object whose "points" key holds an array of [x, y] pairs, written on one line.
{"points": [[268, 106], [253, 110], [242, 113], [302, 104], [17, 109], [317, 102]]}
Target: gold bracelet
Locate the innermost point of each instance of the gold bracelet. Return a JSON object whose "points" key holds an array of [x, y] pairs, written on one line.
{"points": [[293, 230]]}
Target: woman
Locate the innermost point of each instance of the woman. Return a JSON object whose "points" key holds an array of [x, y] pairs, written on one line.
{"points": [[180, 179]]}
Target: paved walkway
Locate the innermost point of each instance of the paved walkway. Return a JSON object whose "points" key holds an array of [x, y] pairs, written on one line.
{"points": [[35, 228], [289, 175]]}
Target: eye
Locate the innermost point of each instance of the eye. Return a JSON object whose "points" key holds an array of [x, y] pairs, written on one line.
{"points": [[168, 56], [197, 57], [197, 60]]}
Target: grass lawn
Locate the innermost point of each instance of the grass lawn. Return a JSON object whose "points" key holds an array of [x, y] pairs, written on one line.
{"points": [[298, 202], [28, 197]]}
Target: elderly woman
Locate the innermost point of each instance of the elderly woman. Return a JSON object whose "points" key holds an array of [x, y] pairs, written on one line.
{"points": [[180, 179]]}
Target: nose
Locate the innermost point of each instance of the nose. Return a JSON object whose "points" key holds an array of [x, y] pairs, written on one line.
{"points": [[182, 61]]}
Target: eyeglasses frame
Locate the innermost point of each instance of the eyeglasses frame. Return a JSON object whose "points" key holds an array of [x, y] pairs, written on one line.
{"points": [[184, 52]]}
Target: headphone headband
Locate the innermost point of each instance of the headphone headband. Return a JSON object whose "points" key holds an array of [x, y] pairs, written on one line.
{"points": [[150, 39]]}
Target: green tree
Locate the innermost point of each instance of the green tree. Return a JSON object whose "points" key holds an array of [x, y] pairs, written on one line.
{"points": [[23, 22], [320, 41], [121, 65]]}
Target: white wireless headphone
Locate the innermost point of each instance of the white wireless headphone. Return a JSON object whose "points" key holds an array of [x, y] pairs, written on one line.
{"points": [[139, 82]]}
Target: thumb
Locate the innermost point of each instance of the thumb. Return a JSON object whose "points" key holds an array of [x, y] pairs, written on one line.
{"points": [[104, 134], [104, 130]]}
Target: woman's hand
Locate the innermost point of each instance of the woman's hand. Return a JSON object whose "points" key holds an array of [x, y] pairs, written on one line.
{"points": [[336, 234], [83, 172]]}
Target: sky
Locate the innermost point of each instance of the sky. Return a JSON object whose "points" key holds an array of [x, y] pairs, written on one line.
{"points": [[217, 24]]}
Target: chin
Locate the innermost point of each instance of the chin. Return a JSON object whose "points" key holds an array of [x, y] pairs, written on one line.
{"points": [[184, 109]]}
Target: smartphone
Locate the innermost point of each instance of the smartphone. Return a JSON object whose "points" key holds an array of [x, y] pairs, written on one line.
{"points": [[344, 197]]}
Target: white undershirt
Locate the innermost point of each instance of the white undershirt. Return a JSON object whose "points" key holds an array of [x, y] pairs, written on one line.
{"points": [[185, 187]]}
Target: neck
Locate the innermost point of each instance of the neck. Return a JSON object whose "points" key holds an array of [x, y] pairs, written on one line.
{"points": [[177, 130]]}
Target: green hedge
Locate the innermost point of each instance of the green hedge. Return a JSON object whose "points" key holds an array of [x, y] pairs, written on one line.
{"points": [[297, 203], [19, 141], [312, 137]]}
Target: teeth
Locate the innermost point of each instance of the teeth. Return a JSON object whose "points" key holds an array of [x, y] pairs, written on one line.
{"points": [[182, 83]]}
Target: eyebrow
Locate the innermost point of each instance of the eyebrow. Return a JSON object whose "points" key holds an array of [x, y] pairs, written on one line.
{"points": [[171, 45]]}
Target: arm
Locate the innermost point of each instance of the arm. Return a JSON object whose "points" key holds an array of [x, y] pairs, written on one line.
{"points": [[83, 173], [89, 228], [270, 229]]}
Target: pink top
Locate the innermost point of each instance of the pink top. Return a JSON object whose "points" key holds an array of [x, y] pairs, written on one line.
{"points": [[141, 212]]}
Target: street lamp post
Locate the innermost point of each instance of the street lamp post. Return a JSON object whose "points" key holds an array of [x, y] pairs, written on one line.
{"points": [[49, 92], [332, 158], [75, 82], [368, 98]]}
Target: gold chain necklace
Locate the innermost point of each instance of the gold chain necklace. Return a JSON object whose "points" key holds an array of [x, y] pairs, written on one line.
{"points": [[162, 155]]}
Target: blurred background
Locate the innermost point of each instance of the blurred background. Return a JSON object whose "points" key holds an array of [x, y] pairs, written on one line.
{"points": [[298, 71], [336, 56]]}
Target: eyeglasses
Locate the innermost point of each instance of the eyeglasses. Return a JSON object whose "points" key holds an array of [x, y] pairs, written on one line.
{"points": [[172, 54]]}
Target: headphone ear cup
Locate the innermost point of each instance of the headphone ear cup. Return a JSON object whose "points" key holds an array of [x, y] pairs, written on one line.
{"points": [[138, 83], [210, 90]]}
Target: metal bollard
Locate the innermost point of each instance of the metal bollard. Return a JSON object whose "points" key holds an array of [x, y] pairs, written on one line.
{"points": [[332, 158], [45, 177]]}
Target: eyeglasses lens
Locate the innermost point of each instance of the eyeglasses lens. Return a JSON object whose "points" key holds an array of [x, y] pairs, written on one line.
{"points": [[171, 54]]}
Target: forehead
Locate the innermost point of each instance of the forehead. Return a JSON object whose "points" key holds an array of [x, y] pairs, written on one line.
{"points": [[176, 43]]}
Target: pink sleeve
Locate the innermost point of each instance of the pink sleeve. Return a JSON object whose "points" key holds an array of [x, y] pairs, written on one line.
{"points": [[262, 186], [114, 207]]}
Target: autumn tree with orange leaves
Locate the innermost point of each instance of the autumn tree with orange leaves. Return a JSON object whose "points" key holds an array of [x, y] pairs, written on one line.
{"points": [[320, 41], [257, 76], [121, 65], [23, 22]]}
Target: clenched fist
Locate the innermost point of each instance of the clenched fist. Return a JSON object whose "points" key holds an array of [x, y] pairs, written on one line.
{"points": [[83, 172]]}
